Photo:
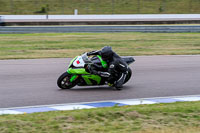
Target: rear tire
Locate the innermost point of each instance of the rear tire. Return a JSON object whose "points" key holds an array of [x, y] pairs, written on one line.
{"points": [[64, 81], [128, 76]]}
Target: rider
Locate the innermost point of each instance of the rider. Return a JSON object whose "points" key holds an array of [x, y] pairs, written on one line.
{"points": [[117, 68]]}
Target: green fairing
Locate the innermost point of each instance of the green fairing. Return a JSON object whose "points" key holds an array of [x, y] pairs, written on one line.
{"points": [[72, 61], [86, 77], [93, 77], [104, 64], [82, 71], [77, 71]]}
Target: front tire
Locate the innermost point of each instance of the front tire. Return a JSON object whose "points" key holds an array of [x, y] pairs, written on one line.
{"points": [[64, 81]]}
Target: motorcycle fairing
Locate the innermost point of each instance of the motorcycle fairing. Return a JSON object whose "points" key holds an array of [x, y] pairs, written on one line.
{"points": [[78, 62], [89, 78], [103, 63], [77, 71], [71, 62]]}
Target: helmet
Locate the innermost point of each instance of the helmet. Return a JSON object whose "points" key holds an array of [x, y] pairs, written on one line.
{"points": [[106, 53]]}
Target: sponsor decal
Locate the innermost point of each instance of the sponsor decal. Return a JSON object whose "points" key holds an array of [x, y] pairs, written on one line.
{"points": [[78, 62]]}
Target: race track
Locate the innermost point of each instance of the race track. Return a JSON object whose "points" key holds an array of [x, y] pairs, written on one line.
{"points": [[33, 82]]}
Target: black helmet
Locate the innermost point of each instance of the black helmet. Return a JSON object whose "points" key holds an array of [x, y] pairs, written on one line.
{"points": [[106, 53]]}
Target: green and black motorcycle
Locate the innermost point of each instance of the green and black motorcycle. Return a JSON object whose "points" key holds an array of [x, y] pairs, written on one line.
{"points": [[77, 73]]}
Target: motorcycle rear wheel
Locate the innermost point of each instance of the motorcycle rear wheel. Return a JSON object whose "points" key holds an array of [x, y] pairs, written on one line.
{"points": [[64, 81], [128, 76]]}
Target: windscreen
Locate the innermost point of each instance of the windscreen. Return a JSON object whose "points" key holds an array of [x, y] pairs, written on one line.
{"points": [[86, 59]]}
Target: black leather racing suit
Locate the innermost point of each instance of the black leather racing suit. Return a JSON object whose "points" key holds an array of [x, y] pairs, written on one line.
{"points": [[117, 68]]}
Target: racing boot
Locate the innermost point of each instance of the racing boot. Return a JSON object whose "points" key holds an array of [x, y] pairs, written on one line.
{"points": [[119, 83]]}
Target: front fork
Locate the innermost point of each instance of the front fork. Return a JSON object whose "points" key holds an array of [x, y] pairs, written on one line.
{"points": [[73, 78]]}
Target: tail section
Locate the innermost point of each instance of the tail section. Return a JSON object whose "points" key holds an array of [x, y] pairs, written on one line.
{"points": [[128, 60]]}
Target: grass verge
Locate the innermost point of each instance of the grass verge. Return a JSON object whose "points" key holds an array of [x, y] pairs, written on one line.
{"points": [[54, 45], [180, 117], [99, 6]]}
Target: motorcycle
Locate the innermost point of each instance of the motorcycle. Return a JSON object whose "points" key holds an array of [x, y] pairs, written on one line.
{"points": [[78, 73]]}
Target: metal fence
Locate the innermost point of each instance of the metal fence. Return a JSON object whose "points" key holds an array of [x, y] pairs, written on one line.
{"points": [[1, 19], [21, 7]]}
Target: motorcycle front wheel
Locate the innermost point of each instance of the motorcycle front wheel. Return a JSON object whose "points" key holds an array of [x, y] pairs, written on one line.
{"points": [[64, 81]]}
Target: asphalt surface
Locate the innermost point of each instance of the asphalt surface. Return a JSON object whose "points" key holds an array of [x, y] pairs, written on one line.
{"points": [[33, 82], [69, 29]]}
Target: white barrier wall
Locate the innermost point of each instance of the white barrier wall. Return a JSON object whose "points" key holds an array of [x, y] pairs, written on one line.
{"points": [[137, 16]]}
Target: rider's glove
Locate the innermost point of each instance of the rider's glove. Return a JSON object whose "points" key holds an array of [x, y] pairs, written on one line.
{"points": [[89, 53], [104, 74]]}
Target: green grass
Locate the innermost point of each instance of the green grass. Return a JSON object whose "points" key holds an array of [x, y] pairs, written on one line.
{"points": [[56, 45], [100, 6], [181, 117]]}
